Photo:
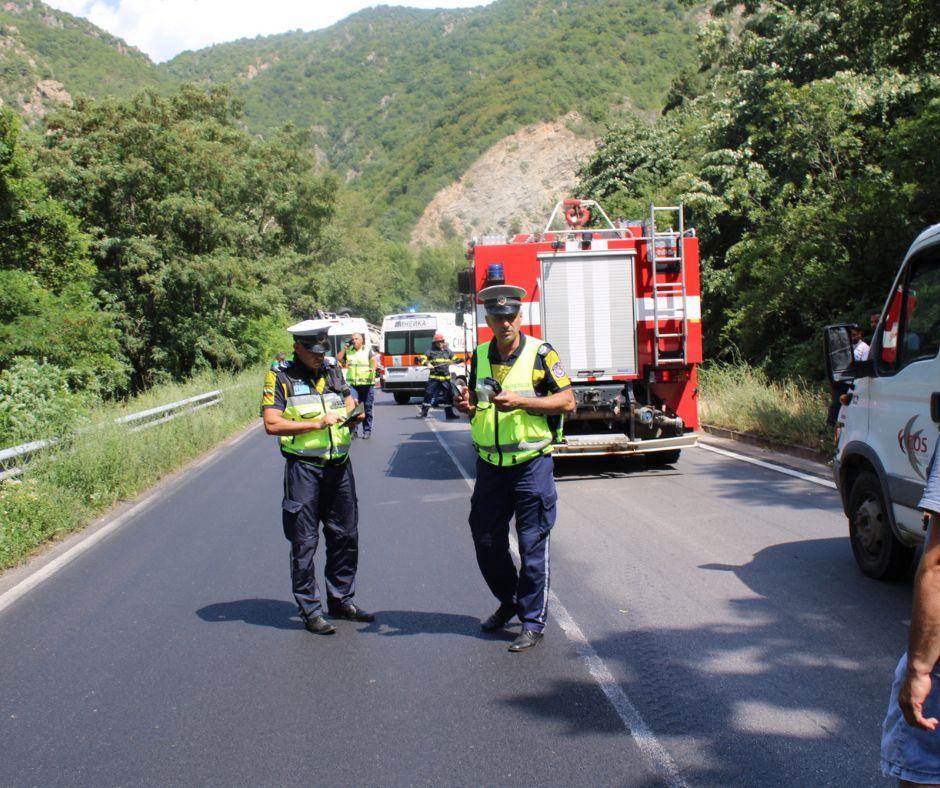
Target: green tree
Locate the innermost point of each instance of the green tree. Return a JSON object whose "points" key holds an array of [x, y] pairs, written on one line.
{"points": [[196, 225], [47, 310]]}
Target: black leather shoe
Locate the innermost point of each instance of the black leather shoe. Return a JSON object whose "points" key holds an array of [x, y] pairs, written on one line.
{"points": [[503, 615], [319, 626], [350, 612], [528, 639]]}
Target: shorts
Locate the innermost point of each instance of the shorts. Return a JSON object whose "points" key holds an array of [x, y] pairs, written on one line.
{"points": [[910, 753]]}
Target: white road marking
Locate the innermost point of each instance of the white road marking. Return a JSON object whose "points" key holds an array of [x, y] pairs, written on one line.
{"points": [[806, 477], [640, 732]]}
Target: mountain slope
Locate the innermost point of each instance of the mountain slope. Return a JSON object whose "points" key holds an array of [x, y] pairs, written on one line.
{"points": [[48, 57], [401, 101]]}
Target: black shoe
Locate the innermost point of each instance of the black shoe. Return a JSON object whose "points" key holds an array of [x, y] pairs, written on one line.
{"points": [[449, 414], [319, 626], [503, 615], [528, 639], [423, 414], [350, 612]]}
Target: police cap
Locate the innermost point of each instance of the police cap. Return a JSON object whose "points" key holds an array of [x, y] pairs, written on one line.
{"points": [[312, 334], [502, 299]]}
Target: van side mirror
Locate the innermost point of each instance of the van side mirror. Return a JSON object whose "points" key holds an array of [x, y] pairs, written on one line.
{"points": [[841, 365]]}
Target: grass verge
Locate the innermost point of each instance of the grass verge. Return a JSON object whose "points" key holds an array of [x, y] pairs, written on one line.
{"points": [[65, 488], [741, 398]]}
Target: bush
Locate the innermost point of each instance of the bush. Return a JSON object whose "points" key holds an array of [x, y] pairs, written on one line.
{"points": [[739, 397], [36, 402]]}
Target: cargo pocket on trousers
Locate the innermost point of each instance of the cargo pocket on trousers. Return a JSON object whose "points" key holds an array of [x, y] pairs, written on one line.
{"points": [[547, 513], [289, 510]]}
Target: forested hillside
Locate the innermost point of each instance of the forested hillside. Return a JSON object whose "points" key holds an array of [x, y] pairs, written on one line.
{"points": [[805, 147], [148, 235], [48, 57], [401, 101]]}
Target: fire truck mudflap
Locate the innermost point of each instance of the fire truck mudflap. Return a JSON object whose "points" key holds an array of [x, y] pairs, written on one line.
{"points": [[621, 305]]}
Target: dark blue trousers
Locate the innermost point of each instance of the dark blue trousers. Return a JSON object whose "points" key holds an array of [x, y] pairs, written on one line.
{"points": [[365, 395], [438, 392], [527, 492], [314, 495]]}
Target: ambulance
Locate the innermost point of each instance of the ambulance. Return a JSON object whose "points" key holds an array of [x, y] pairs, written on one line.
{"points": [[407, 337], [888, 428]]}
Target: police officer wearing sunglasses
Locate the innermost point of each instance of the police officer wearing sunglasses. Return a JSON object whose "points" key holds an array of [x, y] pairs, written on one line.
{"points": [[306, 404]]}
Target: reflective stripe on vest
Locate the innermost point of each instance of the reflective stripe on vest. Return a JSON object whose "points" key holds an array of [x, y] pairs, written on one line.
{"points": [[359, 370], [517, 436], [325, 444]]}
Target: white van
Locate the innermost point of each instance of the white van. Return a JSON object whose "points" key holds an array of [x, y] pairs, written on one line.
{"points": [[889, 428], [407, 337], [342, 328]]}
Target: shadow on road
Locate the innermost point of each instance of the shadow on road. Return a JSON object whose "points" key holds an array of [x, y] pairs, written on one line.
{"points": [[275, 613], [395, 623], [420, 456], [790, 689], [280, 614]]}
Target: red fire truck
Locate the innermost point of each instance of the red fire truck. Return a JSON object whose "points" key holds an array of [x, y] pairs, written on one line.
{"points": [[621, 303]]}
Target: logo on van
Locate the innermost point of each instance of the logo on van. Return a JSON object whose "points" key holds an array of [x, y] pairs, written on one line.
{"points": [[914, 445]]}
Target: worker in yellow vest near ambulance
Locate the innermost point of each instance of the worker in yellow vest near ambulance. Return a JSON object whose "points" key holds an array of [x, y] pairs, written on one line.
{"points": [[518, 391], [361, 364], [306, 404]]}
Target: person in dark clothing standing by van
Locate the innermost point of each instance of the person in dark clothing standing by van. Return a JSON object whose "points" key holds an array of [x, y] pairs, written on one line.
{"points": [[438, 389]]}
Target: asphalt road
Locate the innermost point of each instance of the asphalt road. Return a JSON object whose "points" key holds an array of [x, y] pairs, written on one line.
{"points": [[709, 628]]}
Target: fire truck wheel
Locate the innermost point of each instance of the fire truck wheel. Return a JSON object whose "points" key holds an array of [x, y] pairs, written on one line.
{"points": [[659, 458], [402, 399], [877, 550]]}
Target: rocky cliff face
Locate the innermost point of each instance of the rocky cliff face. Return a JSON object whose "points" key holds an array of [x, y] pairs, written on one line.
{"points": [[512, 187]]}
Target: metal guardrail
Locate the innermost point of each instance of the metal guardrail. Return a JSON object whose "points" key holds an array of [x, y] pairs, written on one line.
{"points": [[149, 418]]}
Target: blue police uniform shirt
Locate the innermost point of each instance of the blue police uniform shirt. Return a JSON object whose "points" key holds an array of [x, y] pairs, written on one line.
{"points": [[329, 377]]}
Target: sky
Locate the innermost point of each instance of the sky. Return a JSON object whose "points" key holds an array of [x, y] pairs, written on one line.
{"points": [[164, 28]]}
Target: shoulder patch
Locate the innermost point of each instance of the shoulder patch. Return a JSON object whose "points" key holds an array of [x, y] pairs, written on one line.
{"points": [[545, 349]]}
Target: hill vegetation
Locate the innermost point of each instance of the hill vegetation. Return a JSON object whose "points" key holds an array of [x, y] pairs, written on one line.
{"points": [[48, 57], [804, 145], [151, 228], [401, 101]]}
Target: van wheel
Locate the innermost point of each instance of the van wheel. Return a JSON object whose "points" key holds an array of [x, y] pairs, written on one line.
{"points": [[657, 458], [401, 398], [877, 550]]}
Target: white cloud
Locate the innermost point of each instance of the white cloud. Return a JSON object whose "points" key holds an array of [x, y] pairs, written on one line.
{"points": [[164, 28]]}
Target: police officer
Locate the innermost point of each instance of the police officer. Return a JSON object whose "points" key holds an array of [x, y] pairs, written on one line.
{"points": [[438, 389], [306, 404], [360, 363], [518, 390]]}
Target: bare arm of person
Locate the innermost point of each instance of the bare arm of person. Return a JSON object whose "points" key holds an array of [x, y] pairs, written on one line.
{"points": [[923, 649]]}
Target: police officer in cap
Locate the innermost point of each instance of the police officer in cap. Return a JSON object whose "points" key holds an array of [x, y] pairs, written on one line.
{"points": [[518, 390], [306, 404]]}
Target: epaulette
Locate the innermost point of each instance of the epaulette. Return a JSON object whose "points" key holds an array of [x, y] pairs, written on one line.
{"points": [[545, 349]]}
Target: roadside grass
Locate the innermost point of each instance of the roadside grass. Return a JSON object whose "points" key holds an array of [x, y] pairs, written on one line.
{"points": [[64, 488], [741, 398]]}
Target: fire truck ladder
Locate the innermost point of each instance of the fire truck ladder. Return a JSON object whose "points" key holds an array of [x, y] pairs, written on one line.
{"points": [[667, 255]]}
